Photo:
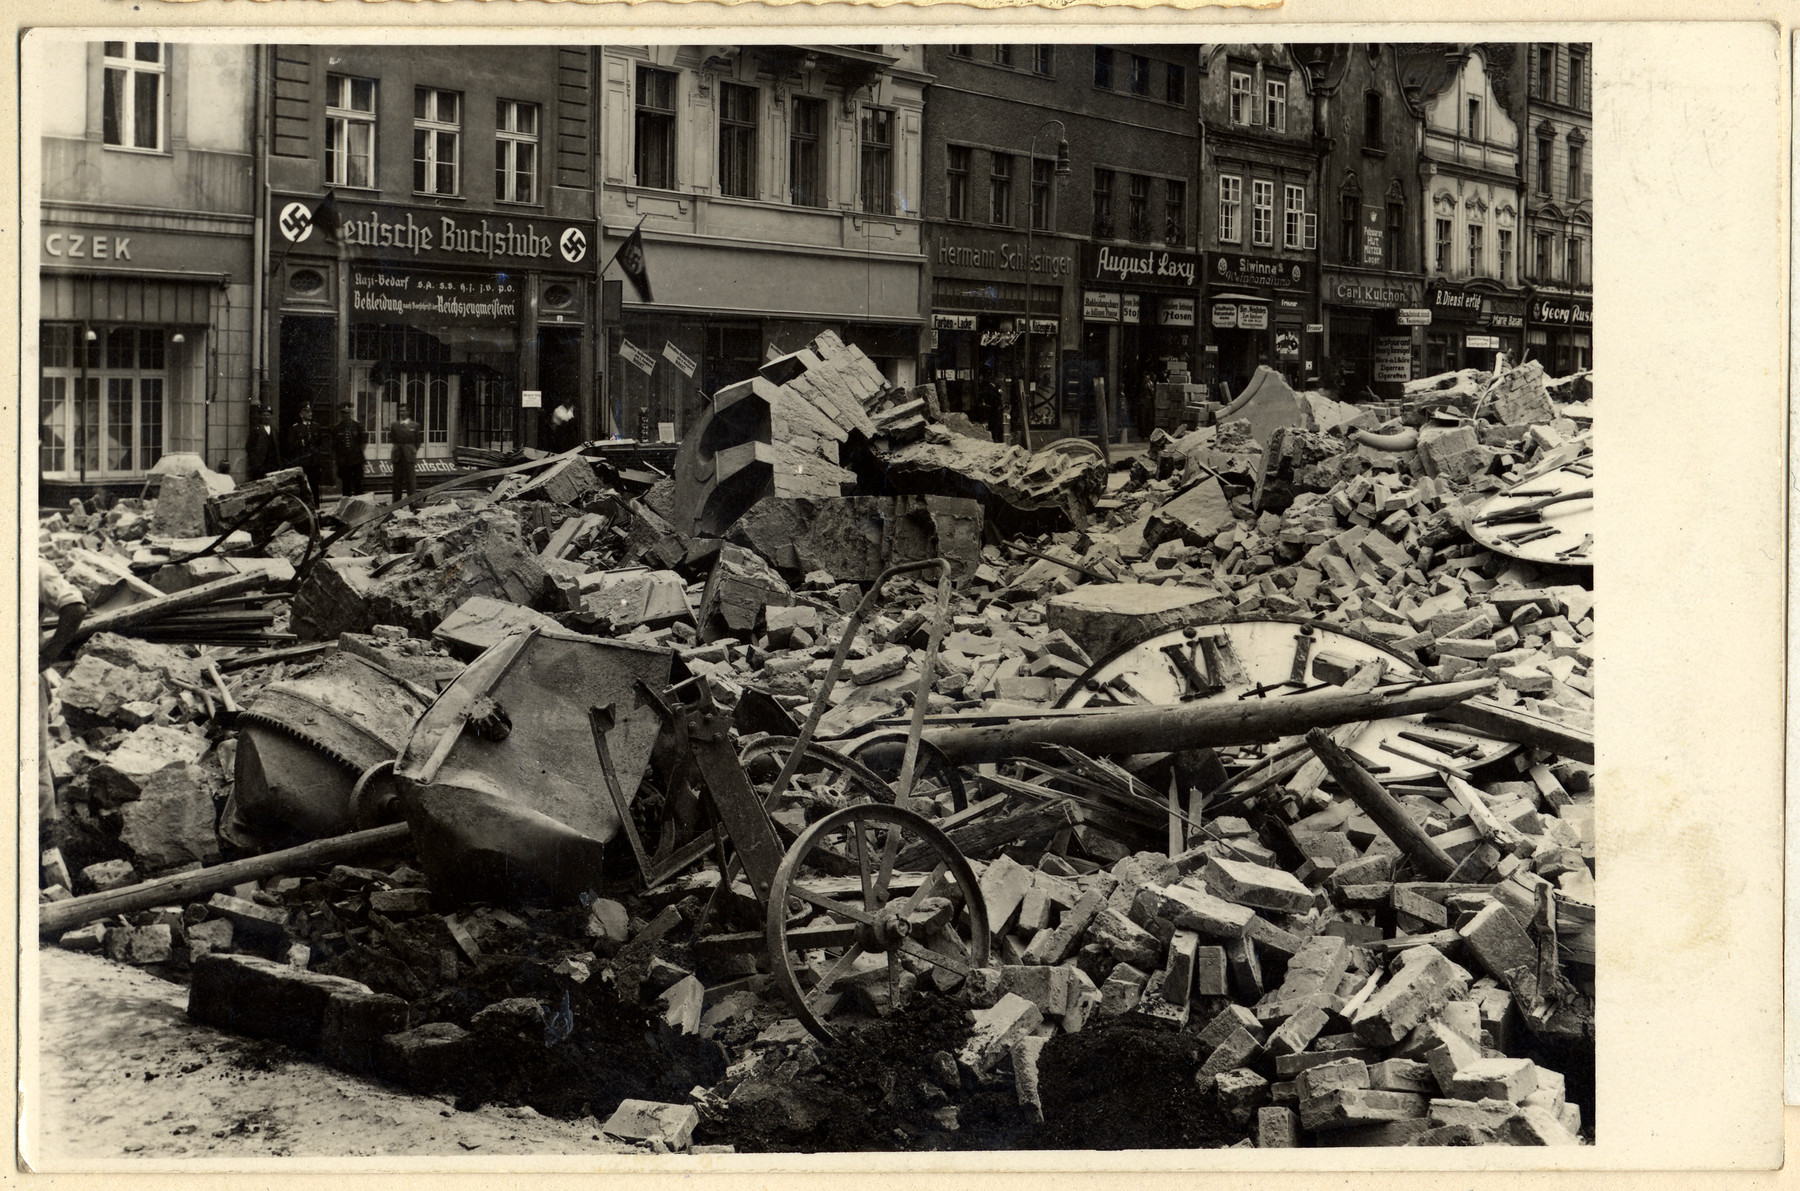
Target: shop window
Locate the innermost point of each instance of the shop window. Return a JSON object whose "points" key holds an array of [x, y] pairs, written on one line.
{"points": [[737, 140], [1231, 202], [1546, 157], [1000, 204], [1393, 247], [1503, 248], [877, 157], [655, 128], [1474, 119], [437, 140], [349, 131], [1138, 197], [1103, 68], [1372, 138], [803, 153], [1043, 177], [1175, 212], [1240, 97], [1443, 248], [133, 94], [1175, 85], [515, 151], [1293, 216], [1043, 59], [733, 353], [1103, 204], [1140, 75], [1275, 103], [100, 401], [1262, 228], [956, 181], [1476, 236], [1003, 55], [1576, 153], [1546, 72], [1578, 91]]}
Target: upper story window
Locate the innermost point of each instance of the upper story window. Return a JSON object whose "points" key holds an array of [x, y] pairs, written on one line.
{"points": [[956, 181], [1174, 212], [1231, 204], [1546, 72], [1372, 138], [1240, 97], [1476, 245], [1003, 55], [1175, 84], [1577, 261], [134, 94], [1474, 119], [349, 131], [1043, 176], [962, 51], [877, 160], [1293, 216], [1349, 221], [515, 151], [1443, 247], [1541, 251], [1262, 228], [1043, 59], [1139, 212], [1275, 101], [1000, 203], [804, 165], [1577, 189], [1103, 204], [1140, 75], [1103, 67], [655, 127], [1395, 242], [737, 140], [437, 140], [1578, 90], [1503, 248], [1546, 160]]}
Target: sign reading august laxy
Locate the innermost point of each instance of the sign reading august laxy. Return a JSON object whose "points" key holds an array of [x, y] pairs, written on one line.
{"points": [[380, 231], [1137, 267], [396, 296]]}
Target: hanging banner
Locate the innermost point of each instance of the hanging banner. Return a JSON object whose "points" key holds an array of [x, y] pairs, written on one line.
{"points": [[638, 356], [680, 359]]}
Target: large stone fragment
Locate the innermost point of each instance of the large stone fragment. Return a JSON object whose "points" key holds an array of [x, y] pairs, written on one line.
{"points": [[143, 754], [1193, 909], [739, 587], [180, 507], [996, 1029], [250, 995], [847, 536], [622, 600], [1424, 981], [645, 1120], [95, 693], [171, 821], [1197, 516], [1104, 617], [481, 623], [1257, 885], [1519, 397]]}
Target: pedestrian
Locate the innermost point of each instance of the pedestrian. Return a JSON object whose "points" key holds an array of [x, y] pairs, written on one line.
{"points": [[56, 592], [348, 438], [305, 444], [261, 455], [406, 436], [565, 432]]}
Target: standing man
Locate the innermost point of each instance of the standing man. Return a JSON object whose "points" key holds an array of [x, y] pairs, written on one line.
{"points": [[261, 455], [305, 444], [348, 438], [406, 436], [565, 433]]}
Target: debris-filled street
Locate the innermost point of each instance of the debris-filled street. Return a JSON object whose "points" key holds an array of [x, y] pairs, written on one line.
{"points": [[856, 782]]}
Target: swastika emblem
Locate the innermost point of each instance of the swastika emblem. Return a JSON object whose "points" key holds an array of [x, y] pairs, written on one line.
{"points": [[296, 222], [574, 245]]}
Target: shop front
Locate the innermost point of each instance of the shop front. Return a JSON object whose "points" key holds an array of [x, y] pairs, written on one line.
{"points": [[1559, 331], [1373, 344], [141, 344], [480, 325], [1469, 328], [1139, 309], [989, 334], [1257, 312]]}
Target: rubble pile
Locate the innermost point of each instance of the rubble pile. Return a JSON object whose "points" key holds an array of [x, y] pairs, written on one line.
{"points": [[1290, 951]]}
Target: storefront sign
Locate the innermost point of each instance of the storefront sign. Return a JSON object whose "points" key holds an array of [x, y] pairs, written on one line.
{"points": [[102, 248], [1393, 358], [1411, 316], [637, 356], [1000, 338], [1130, 308], [1233, 268], [1287, 343], [680, 359], [1043, 326], [953, 322], [387, 296], [1562, 312], [1452, 304], [390, 233], [1487, 342], [1176, 312], [1378, 293], [1140, 267], [1224, 315], [985, 254], [1506, 322], [1253, 318], [1372, 236], [1315, 328], [1098, 307], [531, 399]]}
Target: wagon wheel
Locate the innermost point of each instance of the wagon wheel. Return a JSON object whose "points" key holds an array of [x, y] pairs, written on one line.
{"points": [[910, 899], [933, 775], [825, 777]]}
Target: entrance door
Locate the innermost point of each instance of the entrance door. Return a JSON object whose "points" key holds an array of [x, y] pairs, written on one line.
{"points": [[559, 375], [308, 368]]}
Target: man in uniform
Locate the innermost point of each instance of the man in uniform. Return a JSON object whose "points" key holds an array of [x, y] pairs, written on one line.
{"points": [[261, 455], [305, 444], [406, 436], [348, 438]]}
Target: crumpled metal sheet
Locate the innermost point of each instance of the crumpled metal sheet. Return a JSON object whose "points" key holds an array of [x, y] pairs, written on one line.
{"points": [[529, 815]]}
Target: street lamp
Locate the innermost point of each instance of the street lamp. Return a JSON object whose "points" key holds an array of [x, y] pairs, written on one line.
{"points": [[1062, 171]]}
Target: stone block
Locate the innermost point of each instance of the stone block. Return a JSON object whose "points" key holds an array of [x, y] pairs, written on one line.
{"points": [[1240, 1091], [996, 1029], [1003, 885], [354, 1025], [170, 824], [1329, 1077], [1257, 886], [646, 1120], [91, 937], [1277, 1128], [142, 754], [1226, 1023], [1494, 1079], [1343, 1107], [1193, 909], [1402, 1075], [1237, 1049], [1126, 941], [263, 999], [109, 874], [1102, 617], [215, 934], [247, 917], [1409, 996], [1297, 1032], [1478, 1114], [1122, 990]]}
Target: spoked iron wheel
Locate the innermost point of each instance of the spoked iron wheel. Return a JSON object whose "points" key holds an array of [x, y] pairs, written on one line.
{"points": [[909, 912], [825, 777]]}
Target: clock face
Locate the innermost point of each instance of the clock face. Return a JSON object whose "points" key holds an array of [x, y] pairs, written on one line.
{"points": [[1547, 517], [1271, 659]]}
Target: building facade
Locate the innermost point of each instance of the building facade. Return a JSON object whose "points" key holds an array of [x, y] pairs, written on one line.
{"points": [[1474, 227], [1559, 204], [459, 280], [1061, 224], [777, 192], [1260, 217], [1371, 273], [145, 233]]}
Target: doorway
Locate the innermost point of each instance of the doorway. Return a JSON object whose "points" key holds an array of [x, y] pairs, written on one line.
{"points": [[308, 374], [559, 376]]}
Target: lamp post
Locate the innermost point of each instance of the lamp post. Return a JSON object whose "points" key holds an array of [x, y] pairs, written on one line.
{"points": [[1062, 171]]}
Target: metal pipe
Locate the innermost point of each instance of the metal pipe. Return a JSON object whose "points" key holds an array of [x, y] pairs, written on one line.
{"points": [[1208, 724]]}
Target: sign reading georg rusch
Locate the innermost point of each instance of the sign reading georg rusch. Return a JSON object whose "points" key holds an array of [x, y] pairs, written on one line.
{"points": [[1140, 267], [1562, 312], [396, 235]]}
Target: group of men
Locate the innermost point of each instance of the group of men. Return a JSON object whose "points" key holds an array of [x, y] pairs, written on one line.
{"points": [[309, 446]]}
